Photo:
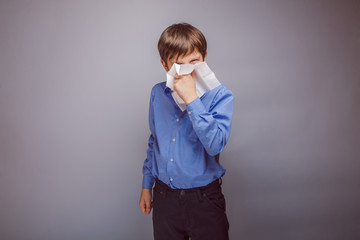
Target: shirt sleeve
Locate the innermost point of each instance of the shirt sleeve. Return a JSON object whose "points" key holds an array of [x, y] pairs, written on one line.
{"points": [[213, 127], [148, 178]]}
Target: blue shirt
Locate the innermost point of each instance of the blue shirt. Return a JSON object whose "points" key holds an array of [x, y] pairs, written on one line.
{"points": [[184, 146]]}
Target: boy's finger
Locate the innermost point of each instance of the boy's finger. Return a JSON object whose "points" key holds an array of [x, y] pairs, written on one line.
{"points": [[148, 207], [177, 76], [143, 207]]}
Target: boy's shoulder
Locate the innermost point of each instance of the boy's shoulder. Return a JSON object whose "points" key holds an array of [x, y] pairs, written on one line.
{"points": [[220, 90], [161, 86]]}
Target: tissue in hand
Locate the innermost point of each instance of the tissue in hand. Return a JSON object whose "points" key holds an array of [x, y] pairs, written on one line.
{"points": [[205, 79]]}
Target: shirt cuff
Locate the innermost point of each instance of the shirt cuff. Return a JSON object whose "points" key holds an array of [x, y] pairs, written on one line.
{"points": [[195, 107], [148, 182]]}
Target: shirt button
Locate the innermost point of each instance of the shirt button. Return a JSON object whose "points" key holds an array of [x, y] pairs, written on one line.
{"points": [[171, 159], [177, 119], [189, 112], [171, 179], [173, 139]]}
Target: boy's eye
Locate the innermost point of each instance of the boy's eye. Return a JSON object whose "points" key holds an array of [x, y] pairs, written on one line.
{"points": [[192, 61]]}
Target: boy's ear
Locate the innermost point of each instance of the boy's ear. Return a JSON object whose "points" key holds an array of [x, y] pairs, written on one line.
{"points": [[164, 64]]}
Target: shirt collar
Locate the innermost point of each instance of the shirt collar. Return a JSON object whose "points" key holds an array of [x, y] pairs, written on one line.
{"points": [[167, 89]]}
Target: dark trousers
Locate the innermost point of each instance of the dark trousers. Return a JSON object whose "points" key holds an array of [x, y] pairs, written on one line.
{"points": [[196, 213]]}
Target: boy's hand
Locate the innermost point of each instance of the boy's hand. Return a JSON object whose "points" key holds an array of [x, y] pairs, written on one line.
{"points": [[145, 201], [184, 86]]}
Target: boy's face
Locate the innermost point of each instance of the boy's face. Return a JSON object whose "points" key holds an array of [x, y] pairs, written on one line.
{"points": [[191, 58]]}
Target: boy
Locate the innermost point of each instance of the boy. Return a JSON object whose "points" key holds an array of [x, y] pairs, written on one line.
{"points": [[184, 147]]}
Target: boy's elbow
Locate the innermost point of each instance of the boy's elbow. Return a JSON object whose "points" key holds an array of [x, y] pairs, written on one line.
{"points": [[217, 147], [213, 151]]}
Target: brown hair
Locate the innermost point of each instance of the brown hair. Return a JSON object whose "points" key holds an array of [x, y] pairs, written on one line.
{"points": [[179, 40]]}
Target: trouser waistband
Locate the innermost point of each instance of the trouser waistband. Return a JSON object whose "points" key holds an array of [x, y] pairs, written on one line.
{"points": [[213, 184]]}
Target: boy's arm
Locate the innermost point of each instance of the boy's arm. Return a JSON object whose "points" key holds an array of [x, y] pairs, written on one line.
{"points": [[213, 126], [148, 178]]}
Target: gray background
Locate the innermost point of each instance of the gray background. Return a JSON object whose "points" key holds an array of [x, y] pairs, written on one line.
{"points": [[75, 80]]}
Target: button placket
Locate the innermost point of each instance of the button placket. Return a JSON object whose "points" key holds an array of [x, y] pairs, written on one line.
{"points": [[171, 166]]}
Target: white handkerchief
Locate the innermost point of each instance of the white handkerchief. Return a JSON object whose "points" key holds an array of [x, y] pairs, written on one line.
{"points": [[205, 79]]}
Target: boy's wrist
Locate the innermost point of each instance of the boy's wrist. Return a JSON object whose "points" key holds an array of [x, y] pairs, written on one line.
{"points": [[190, 99], [195, 107]]}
